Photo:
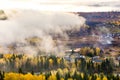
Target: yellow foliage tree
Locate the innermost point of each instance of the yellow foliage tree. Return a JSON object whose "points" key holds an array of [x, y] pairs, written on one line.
{"points": [[41, 77], [97, 50], [52, 77], [105, 78], [50, 63]]}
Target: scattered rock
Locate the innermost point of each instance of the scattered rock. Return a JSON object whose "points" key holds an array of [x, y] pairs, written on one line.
{"points": [[2, 15]]}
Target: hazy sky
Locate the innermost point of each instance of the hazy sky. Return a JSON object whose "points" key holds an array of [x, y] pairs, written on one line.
{"points": [[62, 5]]}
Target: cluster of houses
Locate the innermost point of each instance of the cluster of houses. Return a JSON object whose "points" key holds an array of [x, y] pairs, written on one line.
{"points": [[71, 57], [118, 58]]}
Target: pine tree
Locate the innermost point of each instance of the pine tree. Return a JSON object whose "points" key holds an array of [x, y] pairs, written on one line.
{"points": [[58, 76], [20, 70], [1, 75]]}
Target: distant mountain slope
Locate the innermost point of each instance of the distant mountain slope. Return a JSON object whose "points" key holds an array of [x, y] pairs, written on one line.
{"points": [[93, 18]]}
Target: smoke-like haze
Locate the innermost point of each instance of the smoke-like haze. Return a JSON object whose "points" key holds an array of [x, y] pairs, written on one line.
{"points": [[105, 36], [23, 24]]}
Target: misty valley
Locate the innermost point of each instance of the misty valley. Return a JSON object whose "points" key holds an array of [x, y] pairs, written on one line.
{"points": [[59, 45]]}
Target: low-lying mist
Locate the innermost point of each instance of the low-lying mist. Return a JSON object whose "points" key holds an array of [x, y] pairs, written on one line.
{"points": [[24, 24]]}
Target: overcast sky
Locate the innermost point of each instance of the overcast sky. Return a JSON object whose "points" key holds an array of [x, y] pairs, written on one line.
{"points": [[62, 5]]}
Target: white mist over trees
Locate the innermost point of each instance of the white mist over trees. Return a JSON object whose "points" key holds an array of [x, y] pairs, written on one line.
{"points": [[22, 24]]}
